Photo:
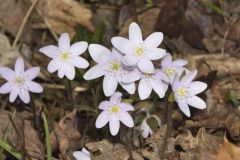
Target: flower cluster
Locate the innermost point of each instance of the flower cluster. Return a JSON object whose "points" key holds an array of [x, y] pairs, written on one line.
{"points": [[129, 61]]}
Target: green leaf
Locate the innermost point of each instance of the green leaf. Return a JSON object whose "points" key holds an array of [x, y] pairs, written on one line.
{"points": [[171, 97], [10, 149], [153, 123], [48, 142], [233, 97]]}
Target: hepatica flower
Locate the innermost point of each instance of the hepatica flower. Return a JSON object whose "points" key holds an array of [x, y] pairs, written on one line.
{"points": [[185, 92], [82, 155], [148, 82], [19, 82], [139, 52], [110, 66], [113, 112], [171, 68], [65, 57], [145, 128]]}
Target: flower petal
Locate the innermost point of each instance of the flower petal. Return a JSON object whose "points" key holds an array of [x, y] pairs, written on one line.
{"points": [[61, 72], [7, 73], [99, 53], [70, 72], [145, 65], [50, 51], [132, 76], [159, 87], [135, 33], [109, 85], [79, 62], [129, 87], [24, 95], [5, 88], [13, 94], [144, 89], [34, 87], [145, 129], [114, 126], [196, 102], [126, 107], [167, 60], [130, 60], [184, 108], [179, 63], [153, 40], [19, 66], [54, 65], [197, 87], [94, 72], [31, 73], [81, 156], [188, 78], [64, 42], [155, 53], [78, 48], [102, 119], [116, 98], [104, 105], [126, 119], [175, 83], [122, 44]]}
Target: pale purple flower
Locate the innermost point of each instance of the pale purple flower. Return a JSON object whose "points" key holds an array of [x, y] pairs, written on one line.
{"points": [[19, 82], [139, 52], [148, 81], [82, 155], [110, 66], [113, 112], [171, 68], [145, 128], [66, 57], [185, 92]]}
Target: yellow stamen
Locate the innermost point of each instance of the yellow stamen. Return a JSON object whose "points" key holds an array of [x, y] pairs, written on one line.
{"points": [[115, 66], [64, 56], [170, 71], [182, 92], [20, 80], [114, 109], [148, 75], [139, 51]]}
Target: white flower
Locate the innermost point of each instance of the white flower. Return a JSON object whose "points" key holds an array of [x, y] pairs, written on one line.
{"points": [[148, 81], [145, 128], [19, 82], [82, 155], [113, 112], [139, 52], [185, 92], [65, 57], [110, 66], [171, 68]]}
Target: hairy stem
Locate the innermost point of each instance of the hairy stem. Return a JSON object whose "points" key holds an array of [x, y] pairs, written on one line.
{"points": [[168, 132], [69, 92]]}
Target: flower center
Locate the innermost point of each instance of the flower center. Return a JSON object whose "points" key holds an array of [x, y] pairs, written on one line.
{"points": [[182, 92], [170, 71], [20, 81], [138, 51], [115, 66], [65, 56], [114, 109]]}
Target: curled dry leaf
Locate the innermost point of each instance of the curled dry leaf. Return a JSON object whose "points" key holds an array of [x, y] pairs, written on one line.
{"points": [[109, 151], [64, 15], [228, 151], [66, 136], [7, 55]]}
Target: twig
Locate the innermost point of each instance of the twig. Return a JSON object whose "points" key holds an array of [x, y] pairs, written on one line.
{"points": [[21, 139], [167, 133], [19, 33]]}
